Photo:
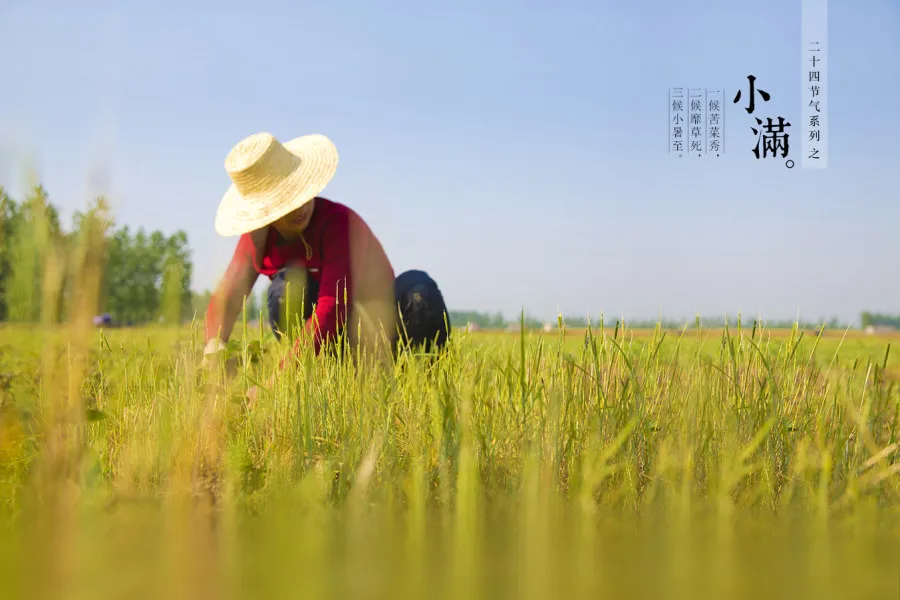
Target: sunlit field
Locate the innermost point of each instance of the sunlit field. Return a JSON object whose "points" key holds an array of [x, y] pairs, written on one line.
{"points": [[719, 463]]}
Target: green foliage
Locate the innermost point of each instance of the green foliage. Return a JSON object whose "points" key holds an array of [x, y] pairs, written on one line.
{"points": [[146, 275], [33, 239], [491, 320], [875, 319], [9, 224], [200, 302], [736, 464], [176, 279]]}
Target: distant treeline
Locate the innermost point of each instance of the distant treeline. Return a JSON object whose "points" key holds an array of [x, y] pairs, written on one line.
{"points": [[488, 320], [876, 319], [146, 276], [496, 320]]}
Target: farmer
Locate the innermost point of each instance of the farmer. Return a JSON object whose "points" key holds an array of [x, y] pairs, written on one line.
{"points": [[324, 262]]}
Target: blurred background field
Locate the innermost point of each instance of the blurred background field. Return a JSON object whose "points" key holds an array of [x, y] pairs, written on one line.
{"points": [[719, 463]]}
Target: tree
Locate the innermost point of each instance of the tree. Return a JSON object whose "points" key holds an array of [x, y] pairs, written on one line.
{"points": [[147, 257], [176, 276], [199, 303], [87, 248], [9, 224], [148, 277], [34, 241], [87, 245], [875, 319], [115, 296]]}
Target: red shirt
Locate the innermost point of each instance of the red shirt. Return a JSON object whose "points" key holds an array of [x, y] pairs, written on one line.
{"points": [[337, 249]]}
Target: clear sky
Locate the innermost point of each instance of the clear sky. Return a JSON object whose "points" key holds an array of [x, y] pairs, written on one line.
{"points": [[516, 151]]}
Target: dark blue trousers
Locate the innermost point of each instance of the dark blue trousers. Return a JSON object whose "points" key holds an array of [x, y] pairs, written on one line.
{"points": [[423, 319]]}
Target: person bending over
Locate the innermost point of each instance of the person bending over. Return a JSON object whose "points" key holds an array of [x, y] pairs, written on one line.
{"points": [[329, 273]]}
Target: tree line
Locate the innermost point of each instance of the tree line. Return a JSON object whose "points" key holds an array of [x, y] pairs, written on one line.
{"points": [[876, 319], [145, 276], [496, 320]]}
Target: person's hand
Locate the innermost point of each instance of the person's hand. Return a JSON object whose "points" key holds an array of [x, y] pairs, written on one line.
{"points": [[215, 355], [214, 349]]}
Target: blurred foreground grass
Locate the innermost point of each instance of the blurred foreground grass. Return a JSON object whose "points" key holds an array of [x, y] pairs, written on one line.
{"points": [[705, 465]]}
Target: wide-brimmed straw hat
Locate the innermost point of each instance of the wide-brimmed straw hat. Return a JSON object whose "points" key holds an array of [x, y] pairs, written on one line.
{"points": [[271, 179]]}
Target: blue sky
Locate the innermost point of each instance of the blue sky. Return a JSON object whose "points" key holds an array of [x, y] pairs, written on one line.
{"points": [[516, 151]]}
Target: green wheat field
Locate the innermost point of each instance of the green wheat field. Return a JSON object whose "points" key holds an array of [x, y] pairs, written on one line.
{"points": [[725, 463]]}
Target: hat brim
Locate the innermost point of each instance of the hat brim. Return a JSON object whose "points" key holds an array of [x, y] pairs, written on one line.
{"points": [[237, 215]]}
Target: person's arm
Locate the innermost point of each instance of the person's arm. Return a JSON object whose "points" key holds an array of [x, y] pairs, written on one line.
{"points": [[227, 301]]}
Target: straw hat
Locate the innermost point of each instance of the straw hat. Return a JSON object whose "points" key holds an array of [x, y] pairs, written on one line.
{"points": [[271, 179]]}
